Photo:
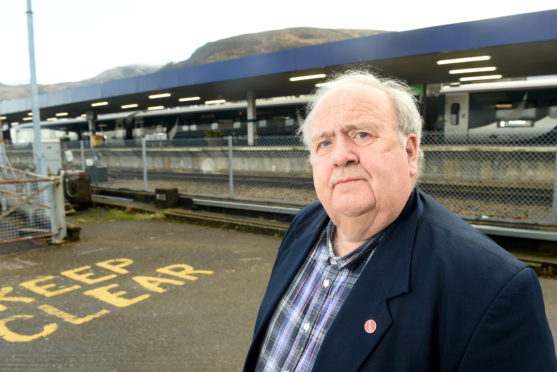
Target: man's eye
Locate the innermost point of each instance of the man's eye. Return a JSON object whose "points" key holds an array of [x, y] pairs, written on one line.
{"points": [[362, 135], [325, 143]]}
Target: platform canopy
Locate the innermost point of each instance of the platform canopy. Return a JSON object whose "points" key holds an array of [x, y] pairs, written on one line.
{"points": [[518, 46]]}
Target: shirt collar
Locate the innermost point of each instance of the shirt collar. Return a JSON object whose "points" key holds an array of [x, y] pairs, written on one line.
{"points": [[362, 251]]}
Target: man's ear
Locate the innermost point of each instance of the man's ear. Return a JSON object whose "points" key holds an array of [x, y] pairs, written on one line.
{"points": [[412, 153]]}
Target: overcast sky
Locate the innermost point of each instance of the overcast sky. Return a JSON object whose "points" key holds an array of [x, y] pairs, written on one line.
{"points": [[78, 39]]}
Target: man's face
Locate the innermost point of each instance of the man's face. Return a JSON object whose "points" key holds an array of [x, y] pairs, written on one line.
{"points": [[360, 168]]}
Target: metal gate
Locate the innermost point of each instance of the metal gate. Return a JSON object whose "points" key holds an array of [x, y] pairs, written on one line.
{"points": [[32, 206]]}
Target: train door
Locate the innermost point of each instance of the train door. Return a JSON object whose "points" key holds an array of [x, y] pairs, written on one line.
{"points": [[456, 115]]}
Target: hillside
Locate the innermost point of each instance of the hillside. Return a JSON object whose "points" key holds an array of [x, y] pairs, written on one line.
{"points": [[266, 42], [229, 48], [17, 91]]}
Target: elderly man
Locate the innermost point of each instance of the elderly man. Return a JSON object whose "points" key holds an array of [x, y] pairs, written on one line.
{"points": [[377, 276]]}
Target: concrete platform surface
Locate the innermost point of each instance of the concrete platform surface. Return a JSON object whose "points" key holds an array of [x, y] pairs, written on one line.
{"points": [[139, 295]]}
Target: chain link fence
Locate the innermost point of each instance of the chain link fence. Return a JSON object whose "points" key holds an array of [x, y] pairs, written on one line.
{"points": [[485, 178]]}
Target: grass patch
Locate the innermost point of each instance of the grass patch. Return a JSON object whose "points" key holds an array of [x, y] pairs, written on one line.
{"points": [[112, 215], [125, 215]]}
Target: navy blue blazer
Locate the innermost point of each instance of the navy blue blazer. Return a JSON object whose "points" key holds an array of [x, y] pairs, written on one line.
{"points": [[443, 296]]}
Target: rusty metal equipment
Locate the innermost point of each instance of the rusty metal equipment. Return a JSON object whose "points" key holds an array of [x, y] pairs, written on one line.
{"points": [[77, 188]]}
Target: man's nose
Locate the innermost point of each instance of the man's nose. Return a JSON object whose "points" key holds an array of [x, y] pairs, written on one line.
{"points": [[345, 152]]}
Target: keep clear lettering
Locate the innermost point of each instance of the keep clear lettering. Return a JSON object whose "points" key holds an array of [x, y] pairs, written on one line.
{"points": [[25, 327]]}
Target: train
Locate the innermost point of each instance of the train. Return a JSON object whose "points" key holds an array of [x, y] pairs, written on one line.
{"points": [[496, 112]]}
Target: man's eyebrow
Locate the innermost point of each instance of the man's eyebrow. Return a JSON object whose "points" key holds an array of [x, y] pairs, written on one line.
{"points": [[321, 135], [360, 125]]}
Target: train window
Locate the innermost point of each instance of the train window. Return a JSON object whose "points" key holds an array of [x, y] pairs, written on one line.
{"points": [[517, 110], [455, 114]]}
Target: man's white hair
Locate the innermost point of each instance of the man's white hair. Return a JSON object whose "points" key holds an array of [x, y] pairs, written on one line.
{"points": [[408, 118]]}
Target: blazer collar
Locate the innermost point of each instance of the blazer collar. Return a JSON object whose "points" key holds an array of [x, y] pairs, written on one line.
{"points": [[386, 275]]}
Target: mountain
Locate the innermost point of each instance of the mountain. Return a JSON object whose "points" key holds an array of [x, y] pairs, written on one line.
{"points": [[220, 50], [17, 91], [266, 42]]}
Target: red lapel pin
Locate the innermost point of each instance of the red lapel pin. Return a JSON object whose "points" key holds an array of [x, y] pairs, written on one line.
{"points": [[370, 326]]}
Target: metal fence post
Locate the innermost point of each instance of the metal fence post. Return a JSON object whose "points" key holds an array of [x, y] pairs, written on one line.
{"points": [[144, 155], [58, 212], [230, 171], [554, 206], [82, 149]]}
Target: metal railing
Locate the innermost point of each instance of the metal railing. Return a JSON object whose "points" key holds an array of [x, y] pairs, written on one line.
{"points": [[482, 178]]}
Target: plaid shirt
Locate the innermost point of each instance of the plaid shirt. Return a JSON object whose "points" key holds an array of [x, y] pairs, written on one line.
{"points": [[310, 305]]}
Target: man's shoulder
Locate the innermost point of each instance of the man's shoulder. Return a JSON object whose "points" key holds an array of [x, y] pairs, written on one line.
{"points": [[449, 236], [308, 221]]}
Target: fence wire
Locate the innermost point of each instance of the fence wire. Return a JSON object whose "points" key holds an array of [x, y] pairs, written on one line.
{"points": [[487, 177], [25, 211]]}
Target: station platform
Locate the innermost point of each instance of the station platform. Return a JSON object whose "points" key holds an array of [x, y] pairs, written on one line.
{"points": [[134, 293], [140, 292]]}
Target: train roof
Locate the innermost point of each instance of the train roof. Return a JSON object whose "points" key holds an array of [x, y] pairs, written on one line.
{"points": [[528, 83], [240, 105]]}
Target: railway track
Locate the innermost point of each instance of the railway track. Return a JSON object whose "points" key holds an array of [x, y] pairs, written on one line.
{"points": [[538, 196], [304, 183], [273, 219]]}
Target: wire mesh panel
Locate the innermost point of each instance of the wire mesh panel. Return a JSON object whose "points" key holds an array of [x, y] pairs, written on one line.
{"points": [[480, 177], [275, 169], [26, 212], [488, 179]]}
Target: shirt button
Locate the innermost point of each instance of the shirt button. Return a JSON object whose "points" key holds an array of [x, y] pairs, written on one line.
{"points": [[306, 327], [326, 283]]}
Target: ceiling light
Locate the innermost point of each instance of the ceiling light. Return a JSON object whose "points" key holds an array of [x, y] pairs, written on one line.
{"points": [[131, 105], [103, 103], [186, 99], [463, 60], [3, 117], [29, 114], [160, 95], [51, 119], [307, 77], [61, 114], [15, 123], [484, 77], [475, 69], [155, 108], [215, 101], [27, 118], [319, 85]]}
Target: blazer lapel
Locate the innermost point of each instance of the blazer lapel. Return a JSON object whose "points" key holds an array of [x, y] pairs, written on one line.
{"points": [[349, 341], [304, 238]]}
